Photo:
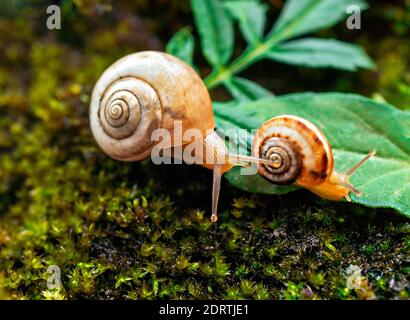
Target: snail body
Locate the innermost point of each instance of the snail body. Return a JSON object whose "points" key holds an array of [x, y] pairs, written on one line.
{"points": [[302, 156], [147, 91]]}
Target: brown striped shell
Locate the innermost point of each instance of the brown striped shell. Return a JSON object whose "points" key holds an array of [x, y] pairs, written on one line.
{"points": [[301, 152], [142, 92]]}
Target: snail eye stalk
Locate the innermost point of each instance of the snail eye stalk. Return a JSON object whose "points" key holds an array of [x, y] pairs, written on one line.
{"points": [[353, 169], [346, 176]]}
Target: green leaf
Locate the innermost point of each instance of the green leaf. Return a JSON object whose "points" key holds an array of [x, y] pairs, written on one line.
{"points": [[246, 90], [321, 53], [251, 15], [298, 17], [354, 125], [182, 45], [304, 16], [215, 29]]}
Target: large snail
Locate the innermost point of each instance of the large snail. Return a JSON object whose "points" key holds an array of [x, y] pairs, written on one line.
{"points": [[151, 90], [302, 156]]}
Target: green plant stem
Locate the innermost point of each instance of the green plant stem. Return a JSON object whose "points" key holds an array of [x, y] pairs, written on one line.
{"points": [[251, 54]]}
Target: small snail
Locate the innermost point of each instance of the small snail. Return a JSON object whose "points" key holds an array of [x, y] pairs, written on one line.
{"points": [[151, 90], [302, 156]]}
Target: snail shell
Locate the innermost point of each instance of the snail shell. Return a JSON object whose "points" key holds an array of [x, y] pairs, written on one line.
{"points": [[299, 149], [142, 92], [301, 155]]}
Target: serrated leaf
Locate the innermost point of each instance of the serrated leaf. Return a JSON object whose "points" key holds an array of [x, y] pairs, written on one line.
{"points": [[215, 29], [245, 90], [304, 16], [321, 53], [251, 15], [354, 125], [182, 45]]}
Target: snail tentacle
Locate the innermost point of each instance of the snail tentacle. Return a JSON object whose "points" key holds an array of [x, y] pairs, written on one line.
{"points": [[344, 177], [216, 188]]}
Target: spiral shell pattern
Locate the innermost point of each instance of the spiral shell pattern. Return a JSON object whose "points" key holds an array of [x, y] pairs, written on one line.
{"points": [[299, 150], [143, 92], [120, 110], [286, 157]]}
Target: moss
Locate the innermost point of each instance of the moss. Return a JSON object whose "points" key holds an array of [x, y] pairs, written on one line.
{"points": [[138, 231]]}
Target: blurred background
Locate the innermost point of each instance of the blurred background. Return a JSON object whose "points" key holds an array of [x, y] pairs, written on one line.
{"points": [[99, 32], [141, 231]]}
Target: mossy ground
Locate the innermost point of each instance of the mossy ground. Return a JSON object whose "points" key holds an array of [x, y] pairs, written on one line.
{"points": [[135, 230]]}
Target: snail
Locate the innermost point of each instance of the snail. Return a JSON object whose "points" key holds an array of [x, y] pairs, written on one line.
{"points": [[302, 156], [149, 90]]}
